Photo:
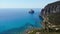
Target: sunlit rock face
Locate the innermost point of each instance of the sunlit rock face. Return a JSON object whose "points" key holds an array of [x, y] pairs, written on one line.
{"points": [[51, 14]]}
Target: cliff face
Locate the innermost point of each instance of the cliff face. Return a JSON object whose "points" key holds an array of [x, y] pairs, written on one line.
{"points": [[52, 12], [51, 8]]}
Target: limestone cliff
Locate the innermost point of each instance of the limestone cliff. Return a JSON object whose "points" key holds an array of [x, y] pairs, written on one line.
{"points": [[51, 8], [51, 15]]}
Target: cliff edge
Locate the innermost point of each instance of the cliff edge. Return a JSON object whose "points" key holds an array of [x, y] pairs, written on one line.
{"points": [[52, 12], [51, 15]]}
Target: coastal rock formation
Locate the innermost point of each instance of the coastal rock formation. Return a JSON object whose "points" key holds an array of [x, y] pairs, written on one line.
{"points": [[51, 15], [51, 8], [31, 11]]}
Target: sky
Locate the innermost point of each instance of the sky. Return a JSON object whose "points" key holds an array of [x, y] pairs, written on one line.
{"points": [[24, 3]]}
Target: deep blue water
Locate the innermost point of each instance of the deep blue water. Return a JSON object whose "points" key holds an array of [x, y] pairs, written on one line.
{"points": [[15, 18]]}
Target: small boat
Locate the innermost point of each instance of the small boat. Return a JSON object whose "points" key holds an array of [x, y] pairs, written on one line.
{"points": [[31, 11]]}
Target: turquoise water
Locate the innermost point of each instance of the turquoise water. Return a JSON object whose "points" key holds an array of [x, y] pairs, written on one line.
{"points": [[15, 18]]}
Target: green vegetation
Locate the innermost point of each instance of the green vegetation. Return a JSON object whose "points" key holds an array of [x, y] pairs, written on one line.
{"points": [[53, 19], [42, 31], [39, 30]]}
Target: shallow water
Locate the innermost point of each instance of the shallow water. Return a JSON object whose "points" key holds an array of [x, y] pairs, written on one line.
{"points": [[15, 18]]}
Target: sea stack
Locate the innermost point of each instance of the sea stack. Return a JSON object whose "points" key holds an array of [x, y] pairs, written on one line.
{"points": [[31, 11]]}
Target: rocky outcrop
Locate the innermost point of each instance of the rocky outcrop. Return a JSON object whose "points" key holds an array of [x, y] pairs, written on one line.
{"points": [[51, 15], [52, 11], [51, 8], [31, 11]]}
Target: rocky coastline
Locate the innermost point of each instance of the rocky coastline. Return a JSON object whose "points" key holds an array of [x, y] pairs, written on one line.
{"points": [[51, 12], [51, 15]]}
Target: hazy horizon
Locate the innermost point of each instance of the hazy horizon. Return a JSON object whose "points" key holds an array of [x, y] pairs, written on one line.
{"points": [[24, 3]]}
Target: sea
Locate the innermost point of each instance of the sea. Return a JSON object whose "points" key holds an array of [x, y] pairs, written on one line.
{"points": [[19, 19]]}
